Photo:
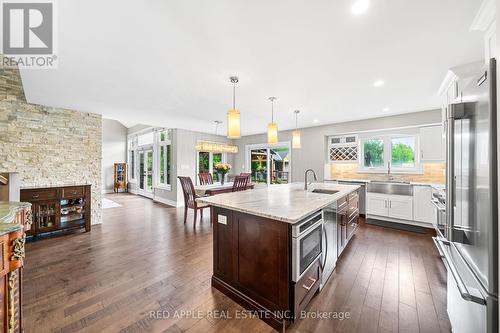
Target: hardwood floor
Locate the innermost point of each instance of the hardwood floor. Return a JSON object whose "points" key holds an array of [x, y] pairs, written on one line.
{"points": [[143, 258]]}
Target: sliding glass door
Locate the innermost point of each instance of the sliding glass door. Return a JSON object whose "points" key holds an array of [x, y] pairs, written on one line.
{"points": [[269, 164]]}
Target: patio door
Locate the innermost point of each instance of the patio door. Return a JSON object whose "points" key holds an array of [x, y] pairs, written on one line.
{"points": [[269, 164], [146, 173]]}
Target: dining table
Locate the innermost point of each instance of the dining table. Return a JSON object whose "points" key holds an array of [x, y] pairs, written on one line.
{"points": [[217, 188]]}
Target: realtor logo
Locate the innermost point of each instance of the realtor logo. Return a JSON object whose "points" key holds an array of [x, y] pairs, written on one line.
{"points": [[28, 32]]}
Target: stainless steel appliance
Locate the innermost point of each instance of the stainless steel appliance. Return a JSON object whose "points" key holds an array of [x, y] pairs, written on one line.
{"points": [[469, 244], [307, 238], [329, 245], [439, 201]]}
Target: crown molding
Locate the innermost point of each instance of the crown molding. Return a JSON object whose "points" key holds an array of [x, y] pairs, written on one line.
{"points": [[485, 16]]}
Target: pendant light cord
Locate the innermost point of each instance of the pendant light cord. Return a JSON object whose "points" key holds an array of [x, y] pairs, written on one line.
{"points": [[272, 111], [234, 95]]}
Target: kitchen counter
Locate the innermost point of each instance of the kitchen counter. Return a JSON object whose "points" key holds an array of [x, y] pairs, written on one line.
{"points": [[8, 212], [286, 203]]}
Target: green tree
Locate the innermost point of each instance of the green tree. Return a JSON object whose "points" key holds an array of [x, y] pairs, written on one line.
{"points": [[402, 154], [374, 153]]}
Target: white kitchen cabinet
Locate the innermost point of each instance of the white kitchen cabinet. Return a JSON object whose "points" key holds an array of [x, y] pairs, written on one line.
{"points": [[376, 204], [424, 210], [401, 207], [394, 206], [432, 145]]}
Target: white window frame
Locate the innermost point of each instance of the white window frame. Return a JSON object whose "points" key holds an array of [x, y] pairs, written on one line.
{"points": [[387, 139], [210, 162], [156, 152], [132, 151]]}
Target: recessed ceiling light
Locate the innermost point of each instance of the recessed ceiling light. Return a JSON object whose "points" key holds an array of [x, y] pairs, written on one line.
{"points": [[386, 109], [378, 83], [360, 6], [315, 120]]}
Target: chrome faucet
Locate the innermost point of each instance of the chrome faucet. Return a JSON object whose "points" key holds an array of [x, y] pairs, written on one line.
{"points": [[389, 176], [305, 178]]}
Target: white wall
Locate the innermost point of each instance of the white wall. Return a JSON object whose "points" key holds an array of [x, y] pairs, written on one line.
{"points": [[313, 139], [114, 150]]}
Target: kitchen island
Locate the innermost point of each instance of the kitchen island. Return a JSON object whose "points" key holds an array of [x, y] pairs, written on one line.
{"points": [[268, 244]]}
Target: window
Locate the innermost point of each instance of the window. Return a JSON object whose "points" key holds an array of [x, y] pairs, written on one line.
{"points": [[397, 152], [145, 139], [164, 158], [132, 164], [373, 153], [132, 144], [208, 160], [403, 152]]}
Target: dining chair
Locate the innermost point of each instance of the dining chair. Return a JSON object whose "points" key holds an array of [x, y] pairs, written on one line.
{"points": [[190, 197], [240, 183], [205, 178], [246, 174]]}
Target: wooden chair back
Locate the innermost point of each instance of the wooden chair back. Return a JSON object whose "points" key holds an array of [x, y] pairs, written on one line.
{"points": [[205, 178], [240, 183], [246, 174], [188, 191]]}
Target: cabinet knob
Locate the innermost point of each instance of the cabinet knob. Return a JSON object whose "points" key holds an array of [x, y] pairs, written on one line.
{"points": [[35, 196]]}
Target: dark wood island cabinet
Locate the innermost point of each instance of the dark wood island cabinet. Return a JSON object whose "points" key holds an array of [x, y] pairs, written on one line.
{"points": [[255, 259]]}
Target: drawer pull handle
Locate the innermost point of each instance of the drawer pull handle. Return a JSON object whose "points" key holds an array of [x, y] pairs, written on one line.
{"points": [[74, 192], [313, 281], [35, 196]]}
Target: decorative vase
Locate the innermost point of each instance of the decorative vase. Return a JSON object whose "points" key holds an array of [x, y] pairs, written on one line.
{"points": [[221, 178]]}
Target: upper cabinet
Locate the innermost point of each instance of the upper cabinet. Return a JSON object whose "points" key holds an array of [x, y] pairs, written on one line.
{"points": [[432, 145]]}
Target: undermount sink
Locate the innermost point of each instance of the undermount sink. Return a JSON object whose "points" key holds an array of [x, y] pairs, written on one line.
{"points": [[324, 191]]}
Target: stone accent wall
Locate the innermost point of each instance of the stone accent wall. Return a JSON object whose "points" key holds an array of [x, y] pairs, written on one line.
{"points": [[434, 173], [48, 146]]}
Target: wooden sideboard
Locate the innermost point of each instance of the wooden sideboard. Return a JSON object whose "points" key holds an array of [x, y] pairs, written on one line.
{"points": [[15, 219], [59, 208]]}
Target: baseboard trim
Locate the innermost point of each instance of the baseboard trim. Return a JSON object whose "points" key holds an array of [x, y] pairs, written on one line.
{"points": [[168, 202]]}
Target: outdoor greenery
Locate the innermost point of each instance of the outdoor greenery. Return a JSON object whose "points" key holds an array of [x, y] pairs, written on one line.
{"points": [[374, 153], [402, 155]]}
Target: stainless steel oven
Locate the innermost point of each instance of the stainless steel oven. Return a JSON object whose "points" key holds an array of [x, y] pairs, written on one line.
{"points": [[307, 237]]}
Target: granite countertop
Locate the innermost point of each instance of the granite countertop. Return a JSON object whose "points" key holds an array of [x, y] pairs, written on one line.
{"points": [[435, 185], [287, 203], [53, 186], [8, 214]]}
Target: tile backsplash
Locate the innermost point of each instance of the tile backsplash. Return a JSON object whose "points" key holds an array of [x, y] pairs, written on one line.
{"points": [[433, 173]]}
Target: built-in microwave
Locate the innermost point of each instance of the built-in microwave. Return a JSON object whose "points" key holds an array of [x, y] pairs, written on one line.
{"points": [[307, 237]]}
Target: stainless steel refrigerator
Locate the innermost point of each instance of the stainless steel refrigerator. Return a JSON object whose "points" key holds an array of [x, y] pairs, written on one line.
{"points": [[469, 246]]}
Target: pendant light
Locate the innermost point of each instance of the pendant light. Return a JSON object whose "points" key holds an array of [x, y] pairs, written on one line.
{"points": [[296, 133], [272, 127], [233, 115]]}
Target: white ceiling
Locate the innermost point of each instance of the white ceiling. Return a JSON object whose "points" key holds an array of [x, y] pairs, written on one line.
{"points": [[167, 63]]}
